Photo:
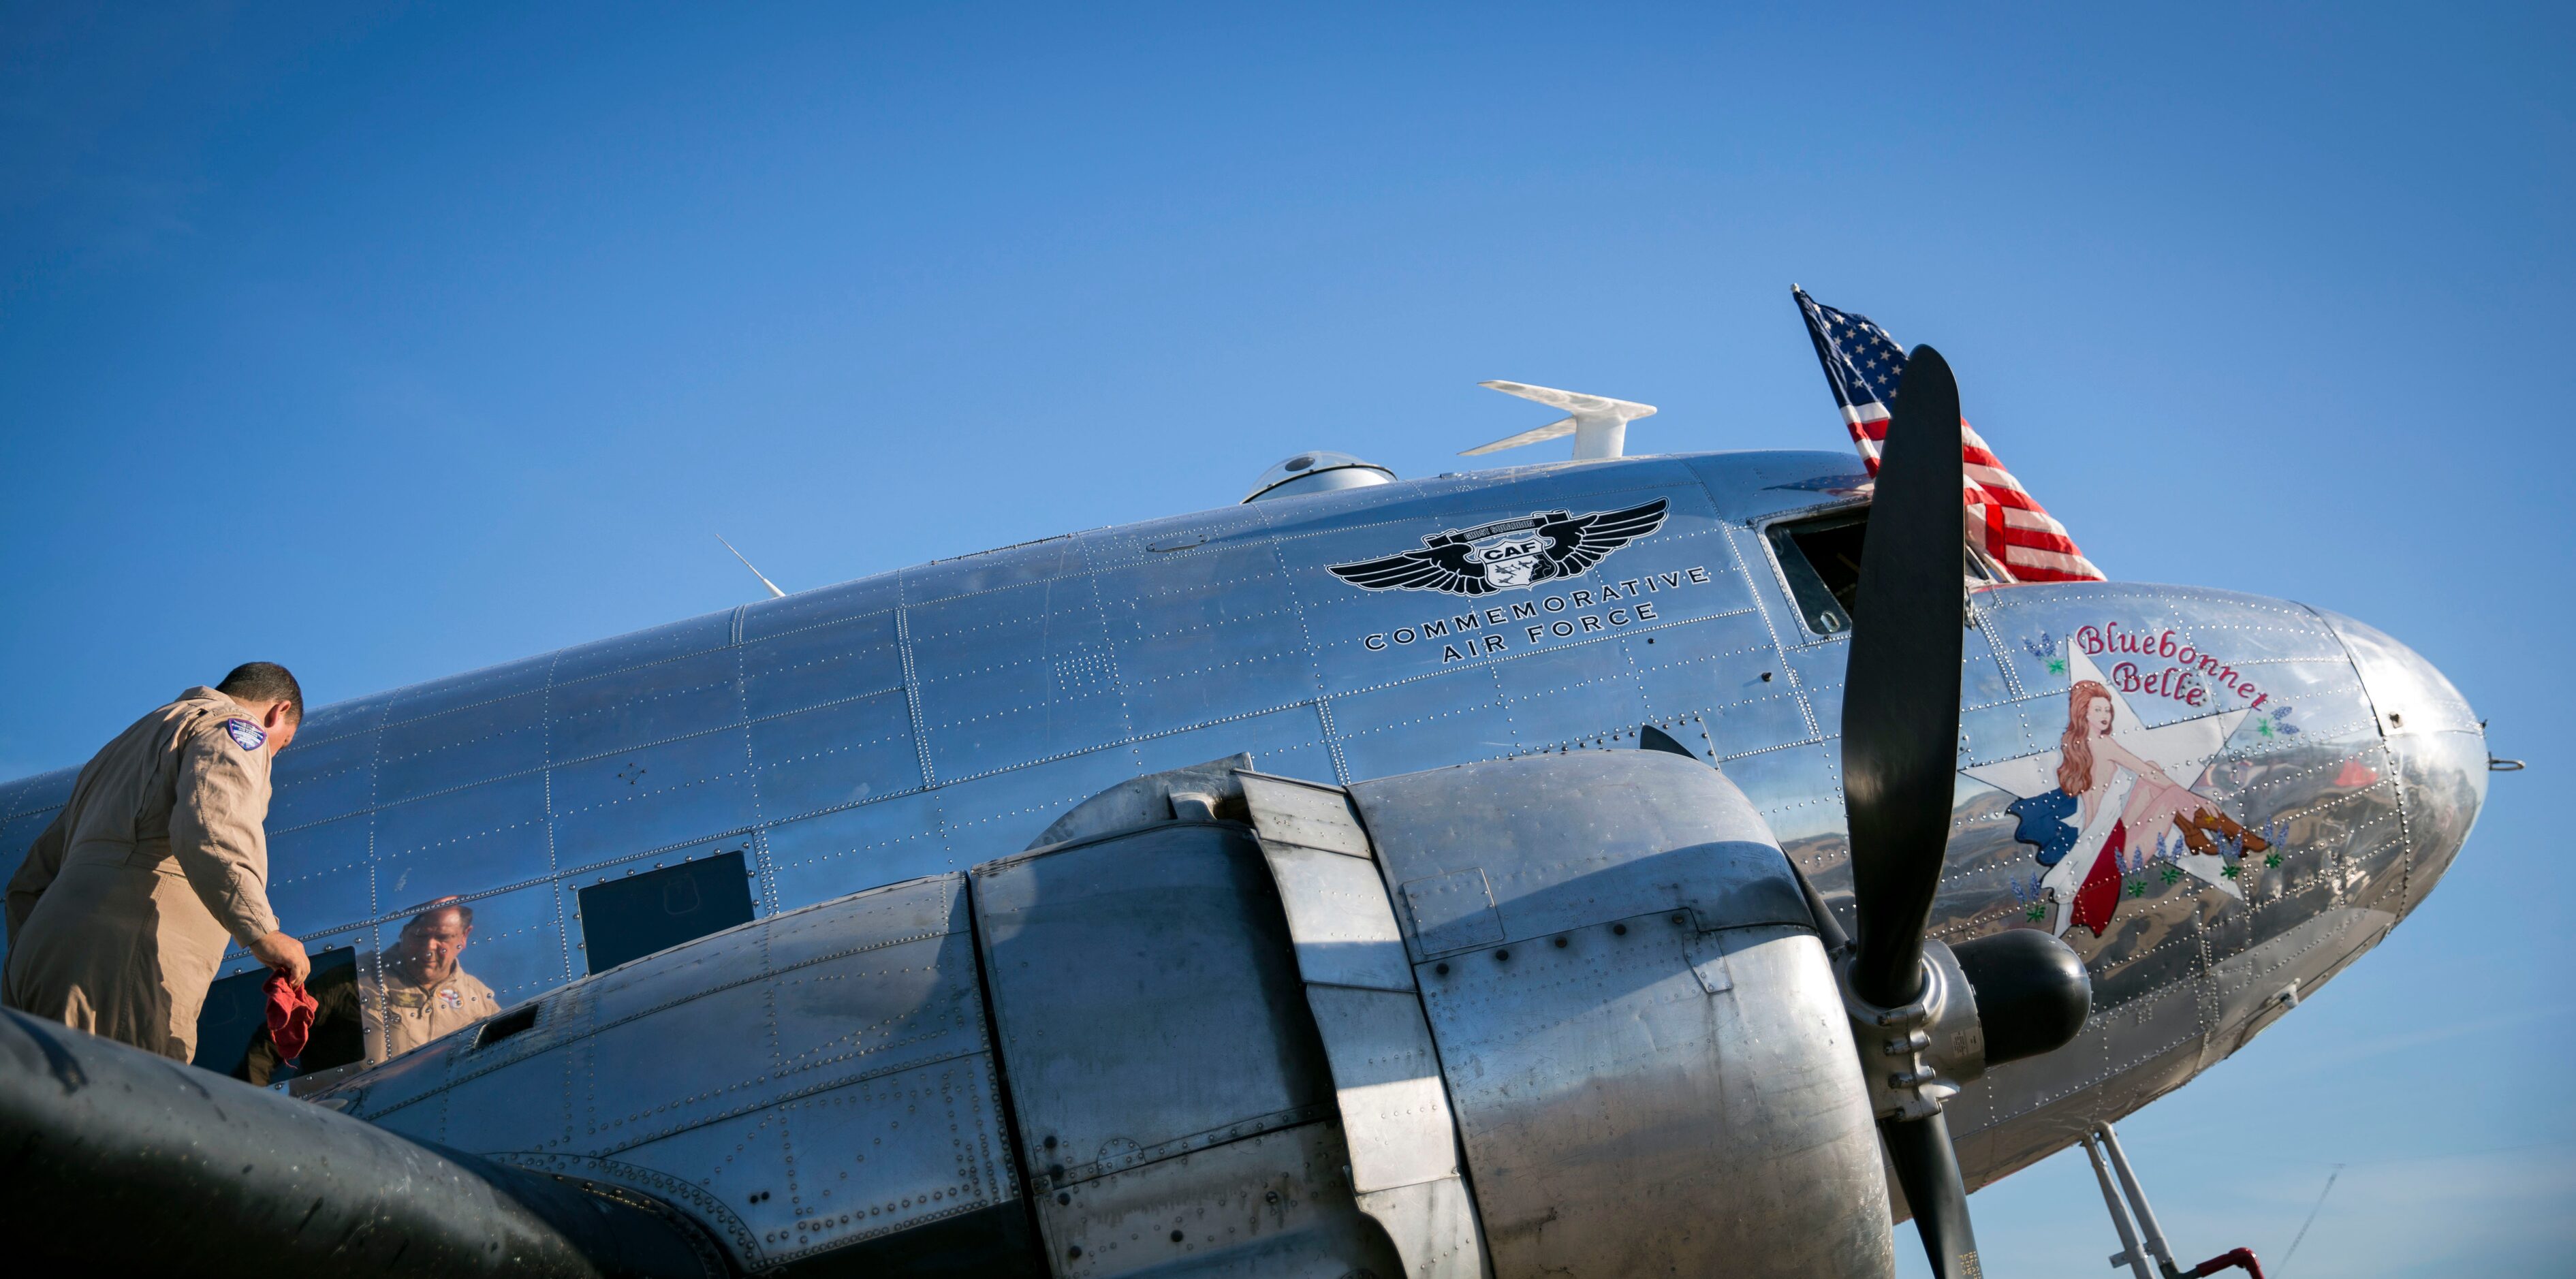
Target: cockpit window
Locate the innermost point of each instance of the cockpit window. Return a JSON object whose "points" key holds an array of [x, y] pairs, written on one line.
{"points": [[232, 1026], [1820, 557]]}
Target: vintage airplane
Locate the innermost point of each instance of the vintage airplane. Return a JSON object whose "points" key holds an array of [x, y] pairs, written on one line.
{"points": [[1376, 877]]}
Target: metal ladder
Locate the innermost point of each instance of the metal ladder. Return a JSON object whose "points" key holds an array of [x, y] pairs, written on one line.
{"points": [[2102, 1140]]}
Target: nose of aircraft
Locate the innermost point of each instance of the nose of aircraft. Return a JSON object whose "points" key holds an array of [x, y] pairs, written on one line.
{"points": [[2435, 743]]}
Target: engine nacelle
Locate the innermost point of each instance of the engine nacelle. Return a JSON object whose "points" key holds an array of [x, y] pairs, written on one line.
{"points": [[1639, 1030]]}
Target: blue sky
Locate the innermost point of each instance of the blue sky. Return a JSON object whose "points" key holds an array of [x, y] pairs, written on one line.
{"points": [[389, 341]]}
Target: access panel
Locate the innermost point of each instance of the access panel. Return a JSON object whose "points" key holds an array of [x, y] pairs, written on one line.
{"points": [[636, 915]]}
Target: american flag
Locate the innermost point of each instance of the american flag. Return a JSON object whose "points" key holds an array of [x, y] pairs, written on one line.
{"points": [[1863, 364]]}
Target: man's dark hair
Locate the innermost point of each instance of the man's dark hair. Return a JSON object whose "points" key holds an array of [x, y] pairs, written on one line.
{"points": [[428, 917], [265, 682]]}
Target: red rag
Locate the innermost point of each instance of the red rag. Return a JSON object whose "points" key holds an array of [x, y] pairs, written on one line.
{"points": [[290, 1016]]}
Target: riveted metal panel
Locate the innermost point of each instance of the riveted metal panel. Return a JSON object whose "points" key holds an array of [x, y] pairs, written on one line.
{"points": [[1395, 1112], [1293, 812], [1002, 648], [627, 709], [886, 1004], [970, 738], [464, 841], [1994, 732], [822, 606], [998, 814], [460, 747], [1768, 716], [473, 688], [802, 1083], [1424, 723], [891, 1152], [644, 648], [821, 663], [1047, 559], [1289, 741], [853, 848], [1433, 1226], [321, 873], [1569, 692], [2444, 781], [1146, 999], [1162, 699], [43, 792], [2252, 989], [1272, 1206], [651, 797], [317, 781], [1452, 911], [1749, 486], [836, 755], [1797, 791], [1337, 911]]}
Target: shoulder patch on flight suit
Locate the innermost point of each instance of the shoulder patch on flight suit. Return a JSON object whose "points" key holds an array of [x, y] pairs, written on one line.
{"points": [[245, 734]]}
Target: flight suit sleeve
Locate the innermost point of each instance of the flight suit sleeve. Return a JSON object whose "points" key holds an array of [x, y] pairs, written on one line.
{"points": [[216, 829], [36, 874]]}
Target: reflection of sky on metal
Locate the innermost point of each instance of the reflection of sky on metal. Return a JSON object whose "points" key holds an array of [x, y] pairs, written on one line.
{"points": [[465, 383]]}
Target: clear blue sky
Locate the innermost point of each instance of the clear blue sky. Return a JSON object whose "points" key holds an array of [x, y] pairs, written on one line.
{"points": [[393, 341]]}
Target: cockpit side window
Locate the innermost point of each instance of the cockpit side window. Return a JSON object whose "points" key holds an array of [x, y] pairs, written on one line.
{"points": [[232, 1026], [1820, 557]]}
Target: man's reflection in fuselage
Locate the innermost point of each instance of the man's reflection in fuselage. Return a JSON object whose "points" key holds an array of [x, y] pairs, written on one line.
{"points": [[417, 991], [427, 991]]}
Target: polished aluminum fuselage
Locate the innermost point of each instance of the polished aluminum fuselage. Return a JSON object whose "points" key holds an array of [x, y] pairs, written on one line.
{"points": [[929, 720]]}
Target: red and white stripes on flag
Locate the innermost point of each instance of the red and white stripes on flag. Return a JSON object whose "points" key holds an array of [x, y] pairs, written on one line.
{"points": [[1864, 366]]}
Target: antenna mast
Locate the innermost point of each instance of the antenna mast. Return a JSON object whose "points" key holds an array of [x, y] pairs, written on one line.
{"points": [[774, 592]]}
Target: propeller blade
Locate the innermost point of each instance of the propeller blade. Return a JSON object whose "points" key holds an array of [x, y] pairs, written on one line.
{"points": [[1901, 690], [1927, 1166]]}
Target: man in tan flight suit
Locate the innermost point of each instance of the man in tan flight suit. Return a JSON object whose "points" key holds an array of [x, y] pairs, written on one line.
{"points": [[119, 915], [427, 993]]}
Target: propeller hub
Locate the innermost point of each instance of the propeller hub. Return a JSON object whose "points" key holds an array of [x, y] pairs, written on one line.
{"points": [[1915, 1056]]}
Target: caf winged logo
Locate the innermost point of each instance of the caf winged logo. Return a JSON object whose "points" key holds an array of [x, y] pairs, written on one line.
{"points": [[1507, 555]]}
